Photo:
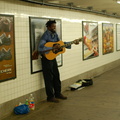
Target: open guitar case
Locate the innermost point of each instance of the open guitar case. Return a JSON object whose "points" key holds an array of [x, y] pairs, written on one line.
{"points": [[81, 83]]}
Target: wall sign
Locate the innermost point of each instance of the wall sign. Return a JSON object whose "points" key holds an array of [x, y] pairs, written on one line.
{"points": [[7, 48], [37, 28], [118, 37], [90, 44], [107, 35]]}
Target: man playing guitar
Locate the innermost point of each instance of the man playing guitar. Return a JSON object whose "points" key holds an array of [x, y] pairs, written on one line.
{"points": [[49, 67]]}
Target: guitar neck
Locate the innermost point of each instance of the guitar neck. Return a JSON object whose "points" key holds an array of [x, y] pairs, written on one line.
{"points": [[65, 45], [70, 43]]}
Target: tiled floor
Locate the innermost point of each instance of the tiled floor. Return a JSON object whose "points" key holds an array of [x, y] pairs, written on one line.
{"points": [[98, 102]]}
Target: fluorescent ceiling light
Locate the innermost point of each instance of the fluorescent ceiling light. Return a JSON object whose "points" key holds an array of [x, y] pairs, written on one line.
{"points": [[118, 1], [53, 1]]}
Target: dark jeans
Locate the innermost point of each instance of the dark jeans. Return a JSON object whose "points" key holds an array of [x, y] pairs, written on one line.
{"points": [[51, 77]]}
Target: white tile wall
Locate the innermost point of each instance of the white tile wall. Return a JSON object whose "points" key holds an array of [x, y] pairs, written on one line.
{"points": [[72, 60]]}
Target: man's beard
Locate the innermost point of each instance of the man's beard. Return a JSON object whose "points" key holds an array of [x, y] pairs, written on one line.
{"points": [[53, 31]]}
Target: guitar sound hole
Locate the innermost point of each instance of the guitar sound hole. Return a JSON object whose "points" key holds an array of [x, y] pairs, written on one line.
{"points": [[56, 50]]}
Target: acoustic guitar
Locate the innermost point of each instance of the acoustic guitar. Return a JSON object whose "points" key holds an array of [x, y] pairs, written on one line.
{"points": [[53, 53]]}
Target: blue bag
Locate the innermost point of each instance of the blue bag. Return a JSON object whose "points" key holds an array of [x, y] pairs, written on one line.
{"points": [[22, 109]]}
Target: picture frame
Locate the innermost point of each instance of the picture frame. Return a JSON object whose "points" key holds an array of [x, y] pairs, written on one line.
{"points": [[117, 37], [7, 48], [37, 28], [107, 38], [90, 43]]}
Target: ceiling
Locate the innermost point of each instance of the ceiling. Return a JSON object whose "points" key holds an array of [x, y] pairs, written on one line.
{"points": [[106, 7]]}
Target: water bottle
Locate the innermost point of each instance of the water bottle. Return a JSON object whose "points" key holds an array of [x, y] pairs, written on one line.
{"points": [[27, 102], [31, 102]]}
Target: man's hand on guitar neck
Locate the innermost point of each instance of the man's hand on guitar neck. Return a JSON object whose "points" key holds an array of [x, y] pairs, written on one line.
{"points": [[76, 42]]}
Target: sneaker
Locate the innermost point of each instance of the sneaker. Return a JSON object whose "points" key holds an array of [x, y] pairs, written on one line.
{"points": [[6, 24], [53, 100], [61, 97], [1, 43], [1, 55], [7, 54], [4, 40]]}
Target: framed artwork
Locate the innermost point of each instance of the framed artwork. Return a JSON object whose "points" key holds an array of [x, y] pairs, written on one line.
{"points": [[108, 39], [37, 28], [7, 48], [118, 37], [90, 44]]}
